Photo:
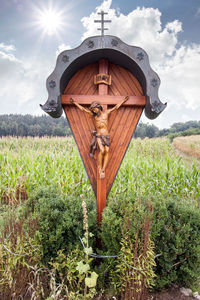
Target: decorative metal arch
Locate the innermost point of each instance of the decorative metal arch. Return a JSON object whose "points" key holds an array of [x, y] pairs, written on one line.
{"points": [[92, 49]]}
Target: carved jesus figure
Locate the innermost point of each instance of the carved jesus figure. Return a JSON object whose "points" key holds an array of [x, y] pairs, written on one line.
{"points": [[101, 136]]}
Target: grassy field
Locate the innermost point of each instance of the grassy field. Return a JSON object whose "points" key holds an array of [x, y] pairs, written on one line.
{"points": [[188, 144], [150, 166]]}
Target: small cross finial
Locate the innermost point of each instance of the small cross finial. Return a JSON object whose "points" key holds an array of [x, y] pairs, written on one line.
{"points": [[102, 21]]}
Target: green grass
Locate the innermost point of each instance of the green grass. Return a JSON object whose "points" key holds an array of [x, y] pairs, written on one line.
{"points": [[150, 166]]}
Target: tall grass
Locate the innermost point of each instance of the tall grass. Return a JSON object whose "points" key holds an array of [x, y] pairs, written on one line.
{"points": [[150, 166], [39, 161]]}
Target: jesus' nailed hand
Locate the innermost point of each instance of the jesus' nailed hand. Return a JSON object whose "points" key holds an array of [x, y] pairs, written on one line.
{"points": [[101, 135]]}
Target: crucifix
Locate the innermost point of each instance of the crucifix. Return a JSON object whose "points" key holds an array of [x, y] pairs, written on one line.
{"points": [[119, 78], [101, 137], [102, 21], [102, 169]]}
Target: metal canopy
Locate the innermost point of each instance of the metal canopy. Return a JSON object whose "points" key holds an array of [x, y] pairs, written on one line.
{"points": [[92, 49]]}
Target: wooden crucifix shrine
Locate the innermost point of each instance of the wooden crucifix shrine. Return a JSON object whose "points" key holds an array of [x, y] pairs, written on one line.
{"points": [[120, 80], [121, 121]]}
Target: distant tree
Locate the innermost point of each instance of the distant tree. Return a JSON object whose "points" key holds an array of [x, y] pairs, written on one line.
{"points": [[146, 130], [28, 125], [152, 131]]}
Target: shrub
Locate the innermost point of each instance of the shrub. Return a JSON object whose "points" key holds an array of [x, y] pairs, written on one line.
{"points": [[174, 231], [176, 235], [190, 131], [60, 220]]}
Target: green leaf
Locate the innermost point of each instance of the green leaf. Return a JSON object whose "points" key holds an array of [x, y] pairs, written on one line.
{"points": [[91, 281], [82, 268], [88, 251], [84, 240]]}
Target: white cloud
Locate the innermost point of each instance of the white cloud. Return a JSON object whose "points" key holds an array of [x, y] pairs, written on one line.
{"points": [[177, 65], [62, 48], [180, 79], [7, 48], [20, 83], [141, 27]]}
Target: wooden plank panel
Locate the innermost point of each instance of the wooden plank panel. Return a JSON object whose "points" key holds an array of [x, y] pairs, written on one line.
{"points": [[131, 80], [84, 121], [116, 134], [80, 134], [115, 159], [85, 80], [87, 84], [122, 147], [136, 83], [113, 88], [75, 80], [120, 118], [124, 80], [119, 76]]}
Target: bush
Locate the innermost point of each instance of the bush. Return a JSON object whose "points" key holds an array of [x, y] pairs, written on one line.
{"points": [[190, 131], [174, 230], [60, 220], [176, 235]]}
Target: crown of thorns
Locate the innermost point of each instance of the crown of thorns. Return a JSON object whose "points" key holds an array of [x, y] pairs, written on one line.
{"points": [[95, 105]]}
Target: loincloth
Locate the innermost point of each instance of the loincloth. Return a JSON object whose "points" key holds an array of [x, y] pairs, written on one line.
{"points": [[105, 140]]}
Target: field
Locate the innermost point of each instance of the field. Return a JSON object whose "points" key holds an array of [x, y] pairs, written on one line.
{"points": [[188, 145], [151, 170], [150, 166]]}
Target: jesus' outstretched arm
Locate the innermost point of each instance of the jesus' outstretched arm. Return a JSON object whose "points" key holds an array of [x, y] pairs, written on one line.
{"points": [[118, 105], [80, 106]]}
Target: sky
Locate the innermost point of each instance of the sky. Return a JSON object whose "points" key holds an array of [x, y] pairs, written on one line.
{"points": [[33, 33]]}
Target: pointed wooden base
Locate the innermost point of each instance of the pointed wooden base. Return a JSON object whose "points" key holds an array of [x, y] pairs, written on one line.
{"points": [[101, 197]]}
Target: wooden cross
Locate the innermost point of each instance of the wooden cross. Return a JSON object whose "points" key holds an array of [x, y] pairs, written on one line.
{"points": [[102, 21], [104, 99]]}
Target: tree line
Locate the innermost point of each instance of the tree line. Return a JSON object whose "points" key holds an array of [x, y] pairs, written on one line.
{"points": [[177, 129], [28, 125]]}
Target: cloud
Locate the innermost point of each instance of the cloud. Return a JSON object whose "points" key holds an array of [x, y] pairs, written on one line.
{"points": [[62, 48], [179, 77], [20, 82], [141, 27], [7, 48], [177, 65]]}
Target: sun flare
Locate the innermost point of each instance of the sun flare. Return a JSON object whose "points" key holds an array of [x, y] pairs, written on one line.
{"points": [[50, 21]]}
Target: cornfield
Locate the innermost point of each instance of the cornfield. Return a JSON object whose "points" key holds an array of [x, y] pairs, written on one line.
{"points": [[150, 166]]}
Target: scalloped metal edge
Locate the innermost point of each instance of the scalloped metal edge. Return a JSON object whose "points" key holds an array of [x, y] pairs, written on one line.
{"points": [[66, 58]]}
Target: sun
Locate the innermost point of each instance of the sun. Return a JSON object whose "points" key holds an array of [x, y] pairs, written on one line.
{"points": [[50, 21]]}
